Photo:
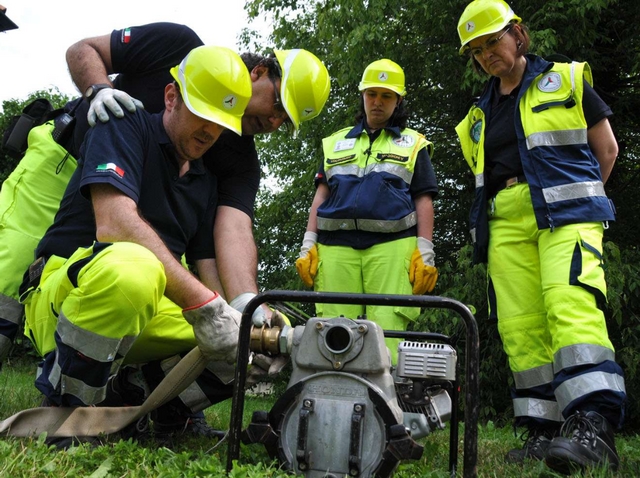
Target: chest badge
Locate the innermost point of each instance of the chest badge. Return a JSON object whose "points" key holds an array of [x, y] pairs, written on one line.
{"points": [[344, 144], [550, 82], [404, 141]]}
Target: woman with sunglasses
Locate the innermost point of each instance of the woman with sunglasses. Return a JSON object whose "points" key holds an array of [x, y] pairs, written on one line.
{"points": [[541, 148], [372, 214]]}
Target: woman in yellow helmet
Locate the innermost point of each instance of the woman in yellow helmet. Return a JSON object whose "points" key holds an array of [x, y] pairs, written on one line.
{"points": [[541, 148], [372, 214]]}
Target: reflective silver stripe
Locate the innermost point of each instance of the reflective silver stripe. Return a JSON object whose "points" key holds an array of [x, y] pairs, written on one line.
{"points": [[354, 170], [480, 180], [10, 309], [348, 170], [473, 235], [574, 191], [5, 346], [74, 386], [573, 76], [537, 408], [193, 396], [371, 225], [89, 395], [587, 383], [534, 377], [95, 346], [581, 354], [557, 138]]}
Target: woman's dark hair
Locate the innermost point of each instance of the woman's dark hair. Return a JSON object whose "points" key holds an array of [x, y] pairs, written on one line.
{"points": [[522, 40], [398, 118]]}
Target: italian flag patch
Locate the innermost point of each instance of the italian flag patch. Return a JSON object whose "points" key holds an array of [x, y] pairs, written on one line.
{"points": [[126, 35], [103, 168]]}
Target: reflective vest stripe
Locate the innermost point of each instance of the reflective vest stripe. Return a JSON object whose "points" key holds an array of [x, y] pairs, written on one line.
{"points": [[355, 170], [557, 138], [566, 192], [534, 377], [371, 225], [581, 354], [537, 408], [587, 383]]}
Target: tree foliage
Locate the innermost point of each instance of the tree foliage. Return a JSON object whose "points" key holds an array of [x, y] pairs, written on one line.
{"points": [[421, 36]]}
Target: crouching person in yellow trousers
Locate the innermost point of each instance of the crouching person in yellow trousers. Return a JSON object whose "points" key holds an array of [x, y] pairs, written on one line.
{"points": [[108, 288]]}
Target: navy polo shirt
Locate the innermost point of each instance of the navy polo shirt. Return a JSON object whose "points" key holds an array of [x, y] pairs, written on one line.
{"points": [[142, 56], [135, 155]]}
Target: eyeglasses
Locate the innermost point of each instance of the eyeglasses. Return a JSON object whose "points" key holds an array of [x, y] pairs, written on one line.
{"points": [[278, 106], [489, 45]]}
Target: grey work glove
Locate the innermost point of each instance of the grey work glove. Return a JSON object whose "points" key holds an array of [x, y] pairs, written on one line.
{"points": [[263, 367], [216, 326], [111, 99], [259, 317]]}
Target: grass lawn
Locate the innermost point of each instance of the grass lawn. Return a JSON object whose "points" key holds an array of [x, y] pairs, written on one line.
{"points": [[201, 458]]}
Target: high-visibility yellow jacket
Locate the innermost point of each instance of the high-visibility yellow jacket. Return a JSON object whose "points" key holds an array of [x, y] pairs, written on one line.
{"points": [[562, 172]]}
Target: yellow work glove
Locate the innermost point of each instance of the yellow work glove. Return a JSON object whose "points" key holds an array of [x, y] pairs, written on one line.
{"points": [[422, 272], [307, 263]]}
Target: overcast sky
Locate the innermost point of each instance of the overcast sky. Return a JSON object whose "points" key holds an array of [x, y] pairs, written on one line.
{"points": [[33, 56]]}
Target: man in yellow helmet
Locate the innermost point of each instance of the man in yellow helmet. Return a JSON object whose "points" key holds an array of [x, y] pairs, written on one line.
{"points": [[371, 220], [289, 88], [108, 287]]}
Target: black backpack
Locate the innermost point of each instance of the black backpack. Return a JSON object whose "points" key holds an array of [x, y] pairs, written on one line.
{"points": [[14, 138]]}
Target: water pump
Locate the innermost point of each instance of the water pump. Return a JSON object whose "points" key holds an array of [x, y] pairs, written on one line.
{"points": [[346, 411]]}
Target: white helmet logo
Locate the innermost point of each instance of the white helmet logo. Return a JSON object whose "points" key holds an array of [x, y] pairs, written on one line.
{"points": [[470, 26], [383, 76], [229, 101]]}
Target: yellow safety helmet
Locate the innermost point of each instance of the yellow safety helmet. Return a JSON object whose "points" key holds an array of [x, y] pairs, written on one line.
{"points": [[215, 85], [483, 17], [384, 74], [304, 86]]}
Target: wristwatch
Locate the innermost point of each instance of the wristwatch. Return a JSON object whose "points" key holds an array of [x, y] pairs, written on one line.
{"points": [[92, 91]]}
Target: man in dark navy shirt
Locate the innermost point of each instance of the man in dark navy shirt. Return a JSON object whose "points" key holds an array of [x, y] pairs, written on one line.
{"points": [[113, 290]]}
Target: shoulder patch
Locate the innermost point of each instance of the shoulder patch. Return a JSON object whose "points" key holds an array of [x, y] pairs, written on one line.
{"points": [[550, 82], [476, 130]]}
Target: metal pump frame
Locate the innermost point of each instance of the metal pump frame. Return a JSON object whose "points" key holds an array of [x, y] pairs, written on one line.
{"points": [[472, 365]]}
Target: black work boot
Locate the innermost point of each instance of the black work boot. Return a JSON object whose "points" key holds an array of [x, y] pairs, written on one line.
{"points": [[127, 388], [171, 422], [536, 442], [586, 440]]}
